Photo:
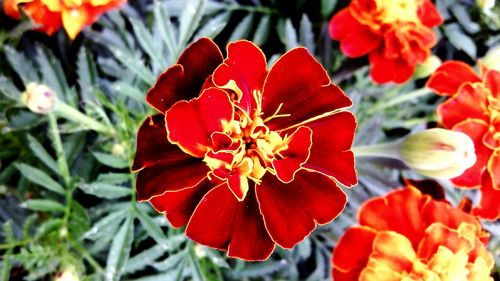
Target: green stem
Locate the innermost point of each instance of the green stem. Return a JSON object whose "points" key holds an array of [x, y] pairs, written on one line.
{"points": [[14, 244], [86, 255], [400, 99], [58, 147], [76, 116], [384, 150], [252, 9]]}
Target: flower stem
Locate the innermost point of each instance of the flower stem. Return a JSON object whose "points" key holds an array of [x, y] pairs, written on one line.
{"points": [[58, 147], [384, 150], [400, 99], [76, 116]]}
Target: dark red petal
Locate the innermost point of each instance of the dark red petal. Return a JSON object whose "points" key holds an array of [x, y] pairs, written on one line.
{"points": [[355, 39], [158, 179], [351, 253], [190, 124], [450, 76], [471, 101], [184, 80], [301, 86], [330, 151], [292, 210], [297, 153], [153, 146], [429, 14], [475, 129], [221, 221], [442, 212], [246, 66], [178, 206], [488, 207], [384, 70], [492, 81]]}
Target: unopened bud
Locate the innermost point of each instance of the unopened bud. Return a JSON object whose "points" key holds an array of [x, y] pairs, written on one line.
{"points": [[438, 153], [428, 67], [492, 58], [485, 5], [118, 150], [199, 251], [39, 98], [68, 274]]}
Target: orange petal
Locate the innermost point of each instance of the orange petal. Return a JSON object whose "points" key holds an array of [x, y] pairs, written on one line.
{"points": [[75, 20], [47, 21], [488, 207], [11, 8], [494, 169], [450, 76]]}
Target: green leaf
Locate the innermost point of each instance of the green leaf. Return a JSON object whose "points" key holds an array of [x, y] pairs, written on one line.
{"points": [[189, 20], [43, 205], [213, 26], [152, 228], [107, 225], [327, 7], [460, 40], [119, 251], [129, 91], [87, 74], [196, 269], [290, 35], [143, 259], [306, 33], [21, 65], [132, 63], [6, 266], [42, 154], [53, 74], [242, 30], [262, 31], [8, 232], [164, 25], [39, 177], [110, 160], [105, 190], [113, 178], [146, 41], [8, 89], [170, 262]]}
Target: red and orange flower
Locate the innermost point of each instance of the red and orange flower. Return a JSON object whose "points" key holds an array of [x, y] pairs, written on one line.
{"points": [[396, 34], [406, 235], [246, 156], [474, 109], [49, 15]]}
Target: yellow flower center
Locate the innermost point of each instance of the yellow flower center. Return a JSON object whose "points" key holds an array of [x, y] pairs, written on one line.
{"points": [[398, 10]]}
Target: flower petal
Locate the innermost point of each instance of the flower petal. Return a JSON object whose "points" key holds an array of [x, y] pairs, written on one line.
{"points": [[384, 70], [76, 19], [296, 154], [190, 124], [292, 210], [47, 21], [178, 206], [246, 66], [494, 169], [438, 235], [331, 143], [356, 40], [488, 207], [429, 14], [184, 80], [450, 76], [303, 92], [471, 101], [11, 8], [158, 179], [351, 253], [492, 81], [475, 129], [221, 221]]}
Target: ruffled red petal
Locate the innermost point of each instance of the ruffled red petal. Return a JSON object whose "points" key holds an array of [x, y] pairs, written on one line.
{"points": [[347, 262], [429, 14], [221, 221], [291, 159], [330, 152], [475, 129], [494, 169], [450, 76], [471, 101], [302, 92], [356, 40], [158, 179], [184, 80], [178, 206], [488, 207], [384, 70], [492, 81], [190, 124], [246, 66], [46, 21], [292, 210]]}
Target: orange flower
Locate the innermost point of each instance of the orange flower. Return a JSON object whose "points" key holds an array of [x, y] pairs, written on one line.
{"points": [[474, 109], [49, 15], [407, 235], [396, 34]]}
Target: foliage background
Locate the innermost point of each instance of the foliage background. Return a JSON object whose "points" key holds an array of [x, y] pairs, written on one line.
{"points": [[66, 191]]}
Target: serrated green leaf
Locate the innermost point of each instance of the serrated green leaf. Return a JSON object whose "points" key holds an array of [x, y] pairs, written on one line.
{"points": [[306, 33], [190, 20], [135, 65], [242, 30], [213, 26], [119, 251], [290, 35], [259, 269], [21, 65], [460, 40], [144, 259], [39, 177], [196, 270], [53, 75], [110, 160], [170, 262], [107, 225], [87, 74], [47, 226], [8, 232], [151, 228], [6, 265], [113, 178], [8, 89], [44, 205], [105, 190], [42, 154], [327, 7], [164, 25], [129, 91], [146, 42], [262, 32]]}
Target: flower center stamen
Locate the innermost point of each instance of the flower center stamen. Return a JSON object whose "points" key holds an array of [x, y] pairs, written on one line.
{"points": [[398, 10]]}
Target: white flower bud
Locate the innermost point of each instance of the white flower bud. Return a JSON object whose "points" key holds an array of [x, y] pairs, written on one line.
{"points": [[39, 98], [428, 67], [485, 5], [438, 153], [492, 58], [68, 274]]}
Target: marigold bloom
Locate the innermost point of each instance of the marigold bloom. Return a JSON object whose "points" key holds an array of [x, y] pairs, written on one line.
{"points": [[396, 34], [49, 15], [406, 235], [474, 109], [244, 155]]}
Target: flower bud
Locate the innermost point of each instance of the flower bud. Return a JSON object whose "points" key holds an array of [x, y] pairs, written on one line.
{"points": [[39, 98], [485, 5], [492, 59], [68, 274], [428, 67], [438, 153]]}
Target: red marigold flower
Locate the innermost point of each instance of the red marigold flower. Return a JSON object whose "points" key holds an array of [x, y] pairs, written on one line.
{"points": [[245, 156], [406, 235], [473, 107], [396, 34], [49, 15]]}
